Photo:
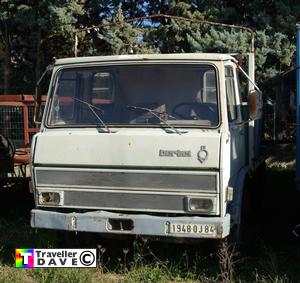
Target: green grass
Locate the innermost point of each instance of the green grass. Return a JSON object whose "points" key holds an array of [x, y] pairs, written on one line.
{"points": [[272, 256]]}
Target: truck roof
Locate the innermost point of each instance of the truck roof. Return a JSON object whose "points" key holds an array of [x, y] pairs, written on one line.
{"points": [[141, 57]]}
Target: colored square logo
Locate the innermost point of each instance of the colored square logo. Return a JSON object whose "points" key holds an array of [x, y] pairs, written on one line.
{"points": [[25, 258]]}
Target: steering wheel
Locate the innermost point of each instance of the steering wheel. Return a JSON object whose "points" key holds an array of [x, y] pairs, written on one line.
{"points": [[183, 110]]}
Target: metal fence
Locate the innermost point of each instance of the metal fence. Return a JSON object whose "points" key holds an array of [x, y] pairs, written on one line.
{"points": [[16, 118], [280, 123]]}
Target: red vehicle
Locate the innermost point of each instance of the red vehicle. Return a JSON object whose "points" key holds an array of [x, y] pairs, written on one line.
{"points": [[16, 130]]}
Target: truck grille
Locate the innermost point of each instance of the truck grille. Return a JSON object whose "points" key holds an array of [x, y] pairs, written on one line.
{"points": [[149, 180], [132, 190]]}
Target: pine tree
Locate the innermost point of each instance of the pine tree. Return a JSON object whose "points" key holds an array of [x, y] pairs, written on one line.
{"points": [[32, 32], [274, 50], [116, 37]]}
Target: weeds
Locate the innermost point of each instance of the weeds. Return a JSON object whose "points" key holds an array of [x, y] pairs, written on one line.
{"points": [[101, 252], [60, 275], [125, 252], [270, 263], [227, 260], [147, 273], [269, 279]]}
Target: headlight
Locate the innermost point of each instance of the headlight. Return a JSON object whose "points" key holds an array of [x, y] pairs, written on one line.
{"points": [[51, 198], [201, 204]]}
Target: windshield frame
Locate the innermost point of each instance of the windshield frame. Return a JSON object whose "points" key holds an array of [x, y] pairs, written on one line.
{"points": [[58, 69]]}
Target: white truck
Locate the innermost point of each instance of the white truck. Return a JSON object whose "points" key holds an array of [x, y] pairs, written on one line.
{"points": [[152, 145]]}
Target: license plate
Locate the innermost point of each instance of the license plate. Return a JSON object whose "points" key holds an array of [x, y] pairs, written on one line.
{"points": [[196, 229]]}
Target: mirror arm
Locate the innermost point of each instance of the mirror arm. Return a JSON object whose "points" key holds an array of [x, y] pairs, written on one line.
{"points": [[38, 98], [246, 75]]}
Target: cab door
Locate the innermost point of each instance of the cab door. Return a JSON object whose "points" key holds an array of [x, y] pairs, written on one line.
{"points": [[235, 121]]}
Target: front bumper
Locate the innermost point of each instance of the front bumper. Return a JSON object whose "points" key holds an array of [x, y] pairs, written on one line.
{"points": [[140, 224]]}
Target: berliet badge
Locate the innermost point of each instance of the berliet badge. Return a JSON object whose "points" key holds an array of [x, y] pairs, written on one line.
{"points": [[202, 154], [175, 153]]}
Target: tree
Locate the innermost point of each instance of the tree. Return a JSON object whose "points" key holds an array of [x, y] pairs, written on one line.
{"points": [[37, 31], [274, 50], [32, 32], [115, 37], [7, 31], [124, 38]]}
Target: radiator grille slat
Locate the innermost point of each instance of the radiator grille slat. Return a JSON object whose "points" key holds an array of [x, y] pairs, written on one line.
{"points": [[125, 201], [167, 181]]}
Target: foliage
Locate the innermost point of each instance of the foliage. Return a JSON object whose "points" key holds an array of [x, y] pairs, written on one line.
{"points": [[32, 32], [117, 37], [274, 50]]}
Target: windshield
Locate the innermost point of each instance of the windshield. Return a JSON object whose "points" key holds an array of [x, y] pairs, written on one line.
{"points": [[154, 94]]}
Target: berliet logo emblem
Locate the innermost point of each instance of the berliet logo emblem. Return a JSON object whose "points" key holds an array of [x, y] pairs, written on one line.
{"points": [[175, 153], [202, 154]]}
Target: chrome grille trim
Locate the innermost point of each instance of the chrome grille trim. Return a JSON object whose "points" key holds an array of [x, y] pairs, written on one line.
{"points": [[117, 179]]}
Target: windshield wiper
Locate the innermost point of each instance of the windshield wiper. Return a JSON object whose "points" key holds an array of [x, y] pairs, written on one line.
{"points": [[162, 116], [91, 107]]}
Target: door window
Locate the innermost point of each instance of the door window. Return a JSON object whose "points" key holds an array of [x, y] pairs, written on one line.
{"points": [[230, 94]]}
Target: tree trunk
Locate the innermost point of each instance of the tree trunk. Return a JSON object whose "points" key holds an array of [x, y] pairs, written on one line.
{"points": [[6, 63], [38, 56]]}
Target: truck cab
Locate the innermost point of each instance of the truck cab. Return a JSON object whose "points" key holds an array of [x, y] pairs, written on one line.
{"points": [[152, 145]]}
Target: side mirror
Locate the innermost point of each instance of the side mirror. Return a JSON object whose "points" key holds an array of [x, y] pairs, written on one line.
{"points": [[37, 117], [255, 104], [37, 106]]}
